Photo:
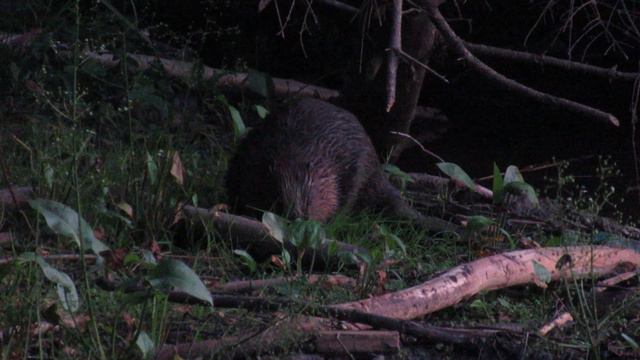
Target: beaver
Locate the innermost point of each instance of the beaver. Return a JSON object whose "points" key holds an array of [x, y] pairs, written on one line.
{"points": [[311, 161]]}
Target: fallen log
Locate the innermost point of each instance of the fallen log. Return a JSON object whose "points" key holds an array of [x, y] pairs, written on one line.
{"points": [[255, 236], [496, 272], [247, 286]]}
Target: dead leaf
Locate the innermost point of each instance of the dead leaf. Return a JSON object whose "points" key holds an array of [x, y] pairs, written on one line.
{"points": [[275, 260], [177, 170], [126, 208]]}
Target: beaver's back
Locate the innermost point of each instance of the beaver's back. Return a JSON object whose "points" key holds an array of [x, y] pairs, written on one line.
{"points": [[313, 159]]}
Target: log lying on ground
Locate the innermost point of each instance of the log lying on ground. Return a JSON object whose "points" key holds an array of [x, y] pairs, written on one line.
{"points": [[451, 287], [185, 70], [357, 342], [247, 286], [255, 236], [226, 81], [496, 272]]}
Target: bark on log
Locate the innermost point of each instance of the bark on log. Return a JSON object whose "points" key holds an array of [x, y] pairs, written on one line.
{"points": [[496, 272], [357, 342], [254, 235]]}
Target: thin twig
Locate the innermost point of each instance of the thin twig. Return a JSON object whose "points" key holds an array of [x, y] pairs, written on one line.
{"points": [[423, 65], [340, 5], [419, 145]]}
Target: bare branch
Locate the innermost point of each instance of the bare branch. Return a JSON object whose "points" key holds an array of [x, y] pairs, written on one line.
{"points": [[340, 5], [458, 47], [525, 57], [423, 65], [395, 44]]}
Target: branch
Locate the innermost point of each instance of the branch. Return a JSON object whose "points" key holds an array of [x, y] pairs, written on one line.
{"points": [[185, 70], [422, 181], [327, 280], [249, 232], [529, 58], [458, 47], [395, 46], [340, 5], [496, 272], [237, 81]]}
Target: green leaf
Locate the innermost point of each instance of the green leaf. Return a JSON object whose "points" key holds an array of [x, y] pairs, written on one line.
{"points": [[497, 179], [260, 83], [175, 274], [630, 341], [145, 344], [65, 221], [239, 128], [305, 234], [247, 260], [456, 173], [286, 257], [65, 287], [391, 237], [275, 225], [541, 272], [478, 222], [512, 174], [152, 169], [148, 258], [522, 188], [262, 111]]}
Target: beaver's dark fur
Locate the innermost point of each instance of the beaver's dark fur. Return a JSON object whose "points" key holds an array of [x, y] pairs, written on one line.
{"points": [[311, 161]]}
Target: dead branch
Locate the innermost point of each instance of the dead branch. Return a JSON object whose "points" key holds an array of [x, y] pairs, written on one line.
{"points": [[340, 6], [496, 272], [395, 45], [245, 286], [357, 342], [423, 181], [226, 81], [186, 70], [53, 257], [418, 144], [536, 59], [603, 285], [458, 47], [559, 322], [279, 336], [255, 235], [306, 326]]}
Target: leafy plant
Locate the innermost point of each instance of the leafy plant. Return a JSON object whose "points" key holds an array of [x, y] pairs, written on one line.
{"points": [[174, 274], [66, 222]]}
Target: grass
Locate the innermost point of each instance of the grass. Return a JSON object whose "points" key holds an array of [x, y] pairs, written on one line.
{"points": [[103, 142]]}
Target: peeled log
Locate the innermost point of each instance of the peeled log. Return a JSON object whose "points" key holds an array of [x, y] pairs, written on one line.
{"points": [[496, 272]]}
